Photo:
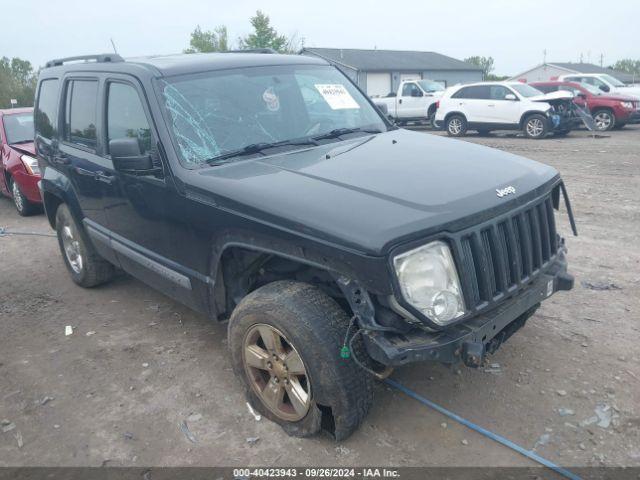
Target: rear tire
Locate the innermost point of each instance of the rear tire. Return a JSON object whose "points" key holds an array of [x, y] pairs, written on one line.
{"points": [[536, 126], [311, 325], [87, 268], [604, 120], [456, 125], [23, 205]]}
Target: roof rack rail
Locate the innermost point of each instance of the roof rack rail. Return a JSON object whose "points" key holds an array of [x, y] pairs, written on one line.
{"points": [[253, 50], [100, 58]]}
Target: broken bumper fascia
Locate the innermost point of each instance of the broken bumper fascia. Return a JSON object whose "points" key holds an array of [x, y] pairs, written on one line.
{"points": [[471, 340]]}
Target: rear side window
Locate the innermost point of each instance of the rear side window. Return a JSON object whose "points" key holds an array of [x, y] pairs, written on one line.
{"points": [[126, 117], [475, 92], [81, 112], [46, 112]]}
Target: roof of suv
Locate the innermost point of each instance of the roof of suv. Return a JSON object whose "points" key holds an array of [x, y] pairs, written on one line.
{"points": [[168, 65], [510, 84]]}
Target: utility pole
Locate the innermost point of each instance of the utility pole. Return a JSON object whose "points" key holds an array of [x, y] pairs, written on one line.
{"points": [[602, 59], [544, 56]]}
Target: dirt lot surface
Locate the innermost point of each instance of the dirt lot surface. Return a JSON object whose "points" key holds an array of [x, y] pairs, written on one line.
{"points": [[137, 365]]}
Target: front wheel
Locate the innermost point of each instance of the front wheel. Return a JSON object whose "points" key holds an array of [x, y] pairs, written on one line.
{"points": [[604, 120], [22, 203], [285, 340], [86, 267], [536, 126], [456, 126]]}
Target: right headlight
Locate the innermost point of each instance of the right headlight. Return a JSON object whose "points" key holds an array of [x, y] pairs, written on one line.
{"points": [[429, 281]]}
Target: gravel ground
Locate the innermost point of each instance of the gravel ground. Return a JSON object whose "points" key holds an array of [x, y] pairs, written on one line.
{"points": [[137, 365]]}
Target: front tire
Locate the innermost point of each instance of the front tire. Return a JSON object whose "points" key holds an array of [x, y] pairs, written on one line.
{"points": [[285, 340], [456, 126], [22, 203], [86, 266], [604, 120], [536, 126]]}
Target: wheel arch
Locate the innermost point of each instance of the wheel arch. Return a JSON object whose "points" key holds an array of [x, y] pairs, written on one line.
{"points": [[55, 192], [239, 267], [455, 112], [527, 114]]}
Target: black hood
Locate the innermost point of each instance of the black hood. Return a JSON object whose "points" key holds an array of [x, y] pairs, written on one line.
{"points": [[372, 192]]}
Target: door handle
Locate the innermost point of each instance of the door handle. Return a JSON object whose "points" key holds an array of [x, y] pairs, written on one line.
{"points": [[491, 105], [104, 177], [400, 101], [61, 159]]}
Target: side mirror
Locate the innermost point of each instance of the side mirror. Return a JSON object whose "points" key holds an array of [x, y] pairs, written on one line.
{"points": [[581, 95], [605, 88], [416, 93], [510, 96], [126, 155]]}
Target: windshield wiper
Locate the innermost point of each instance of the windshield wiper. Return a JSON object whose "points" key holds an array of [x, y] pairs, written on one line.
{"points": [[338, 132], [257, 148]]}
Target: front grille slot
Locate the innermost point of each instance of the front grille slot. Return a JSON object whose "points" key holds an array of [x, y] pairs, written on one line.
{"points": [[498, 256]]}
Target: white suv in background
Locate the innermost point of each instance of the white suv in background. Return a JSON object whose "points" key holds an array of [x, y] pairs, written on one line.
{"points": [[606, 83], [490, 106]]}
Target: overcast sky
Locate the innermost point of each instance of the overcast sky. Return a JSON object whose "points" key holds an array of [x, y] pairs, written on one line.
{"points": [[513, 32]]}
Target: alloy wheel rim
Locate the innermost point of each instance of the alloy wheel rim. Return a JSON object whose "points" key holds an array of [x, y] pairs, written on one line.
{"points": [[455, 126], [535, 127], [276, 372], [602, 121], [72, 249], [17, 196]]}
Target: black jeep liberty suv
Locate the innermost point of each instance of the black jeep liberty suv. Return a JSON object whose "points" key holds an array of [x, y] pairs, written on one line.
{"points": [[268, 190]]}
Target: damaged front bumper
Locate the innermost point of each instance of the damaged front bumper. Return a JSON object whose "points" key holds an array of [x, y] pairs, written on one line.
{"points": [[472, 340]]}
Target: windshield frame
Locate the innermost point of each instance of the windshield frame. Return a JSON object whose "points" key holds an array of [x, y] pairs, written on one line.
{"points": [[159, 83], [7, 135]]}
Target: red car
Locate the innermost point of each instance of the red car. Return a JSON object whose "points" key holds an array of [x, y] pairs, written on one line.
{"points": [[609, 110], [19, 167]]}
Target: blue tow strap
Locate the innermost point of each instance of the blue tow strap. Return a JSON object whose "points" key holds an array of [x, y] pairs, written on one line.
{"points": [[493, 436]]}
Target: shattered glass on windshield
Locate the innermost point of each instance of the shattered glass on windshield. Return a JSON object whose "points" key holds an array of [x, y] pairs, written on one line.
{"points": [[195, 140], [215, 114]]}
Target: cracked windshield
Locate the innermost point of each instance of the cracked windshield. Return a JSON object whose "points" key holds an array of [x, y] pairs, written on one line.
{"points": [[224, 114]]}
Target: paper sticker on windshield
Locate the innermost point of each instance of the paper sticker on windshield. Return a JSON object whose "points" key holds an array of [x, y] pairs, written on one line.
{"points": [[336, 96], [271, 99]]}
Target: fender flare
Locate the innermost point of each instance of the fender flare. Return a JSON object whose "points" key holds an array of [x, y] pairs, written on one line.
{"points": [[354, 290], [56, 188]]}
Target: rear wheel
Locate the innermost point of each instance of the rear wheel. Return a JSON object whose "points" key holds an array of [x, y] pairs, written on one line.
{"points": [[456, 125], [22, 203], [285, 340], [87, 268], [536, 126], [604, 120]]}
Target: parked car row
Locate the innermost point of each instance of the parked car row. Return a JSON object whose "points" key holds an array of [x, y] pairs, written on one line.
{"points": [[609, 110], [19, 167], [488, 106]]}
